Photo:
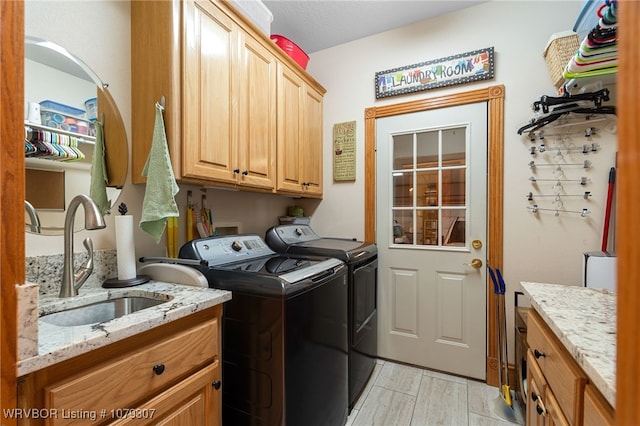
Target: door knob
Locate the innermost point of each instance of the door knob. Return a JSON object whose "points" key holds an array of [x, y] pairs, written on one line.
{"points": [[475, 263]]}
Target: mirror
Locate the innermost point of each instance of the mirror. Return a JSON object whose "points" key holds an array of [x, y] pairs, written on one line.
{"points": [[63, 98]]}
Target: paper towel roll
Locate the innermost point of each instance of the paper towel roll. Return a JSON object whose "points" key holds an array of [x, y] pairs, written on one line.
{"points": [[126, 253]]}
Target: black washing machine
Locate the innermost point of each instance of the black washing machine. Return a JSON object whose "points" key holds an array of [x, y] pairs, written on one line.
{"points": [[284, 332], [362, 261]]}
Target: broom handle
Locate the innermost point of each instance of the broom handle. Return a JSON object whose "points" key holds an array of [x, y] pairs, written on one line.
{"points": [[605, 232]]}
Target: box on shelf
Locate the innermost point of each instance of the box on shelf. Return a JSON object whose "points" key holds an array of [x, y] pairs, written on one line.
{"points": [[62, 108], [560, 49], [293, 220], [256, 12], [92, 108], [68, 123], [291, 49]]}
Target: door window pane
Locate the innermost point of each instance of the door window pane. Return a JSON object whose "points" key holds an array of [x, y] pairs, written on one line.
{"points": [[427, 191], [454, 226], [402, 152], [454, 146], [453, 187], [403, 189], [403, 227], [429, 231], [427, 149], [429, 188]]}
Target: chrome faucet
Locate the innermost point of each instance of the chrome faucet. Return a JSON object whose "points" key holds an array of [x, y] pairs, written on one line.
{"points": [[71, 280], [33, 217]]}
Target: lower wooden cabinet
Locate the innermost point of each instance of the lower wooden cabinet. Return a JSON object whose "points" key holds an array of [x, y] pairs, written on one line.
{"points": [[565, 377], [169, 375], [536, 407], [597, 411], [191, 402], [559, 392], [543, 408]]}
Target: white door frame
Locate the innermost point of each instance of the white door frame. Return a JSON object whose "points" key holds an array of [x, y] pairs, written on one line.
{"points": [[494, 96]]}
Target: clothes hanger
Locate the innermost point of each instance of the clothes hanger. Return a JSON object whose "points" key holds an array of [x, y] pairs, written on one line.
{"points": [[546, 101], [541, 122]]}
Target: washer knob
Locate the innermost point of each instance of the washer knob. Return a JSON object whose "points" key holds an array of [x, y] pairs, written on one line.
{"points": [[298, 231], [236, 246]]}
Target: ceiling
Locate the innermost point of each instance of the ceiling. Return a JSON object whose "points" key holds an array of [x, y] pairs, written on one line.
{"points": [[319, 24]]}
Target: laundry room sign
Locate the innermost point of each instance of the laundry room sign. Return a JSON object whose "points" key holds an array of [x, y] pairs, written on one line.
{"points": [[344, 151], [452, 70]]}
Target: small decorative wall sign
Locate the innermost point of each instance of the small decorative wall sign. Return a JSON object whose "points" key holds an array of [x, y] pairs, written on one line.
{"points": [[344, 151], [452, 70]]}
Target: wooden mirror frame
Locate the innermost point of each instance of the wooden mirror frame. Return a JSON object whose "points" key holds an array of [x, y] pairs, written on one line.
{"points": [[116, 143], [494, 96]]}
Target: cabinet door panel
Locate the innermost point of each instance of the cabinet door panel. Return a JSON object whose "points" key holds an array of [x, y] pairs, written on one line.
{"points": [[536, 409], [135, 374], [597, 411], [257, 115], [290, 104], [312, 149], [556, 417], [194, 401], [563, 374], [208, 79]]}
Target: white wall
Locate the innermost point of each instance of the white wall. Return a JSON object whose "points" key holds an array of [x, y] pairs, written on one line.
{"points": [[98, 32], [541, 248], [537, 248]]}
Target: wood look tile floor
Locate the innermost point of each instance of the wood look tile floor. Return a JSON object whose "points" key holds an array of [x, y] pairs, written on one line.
{"points": [[398, 395]]}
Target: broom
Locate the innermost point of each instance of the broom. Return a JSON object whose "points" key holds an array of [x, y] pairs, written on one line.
{"points": [[502, 405]]}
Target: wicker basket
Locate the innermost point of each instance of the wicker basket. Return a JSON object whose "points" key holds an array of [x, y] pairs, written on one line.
{"points": [[559, 51]]}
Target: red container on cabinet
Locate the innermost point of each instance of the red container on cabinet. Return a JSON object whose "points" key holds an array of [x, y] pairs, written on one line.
{"points": [[291, 49]]}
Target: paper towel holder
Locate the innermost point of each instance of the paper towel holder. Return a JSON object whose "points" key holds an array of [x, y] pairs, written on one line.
{"points": [[116, 283], [125, 282]]}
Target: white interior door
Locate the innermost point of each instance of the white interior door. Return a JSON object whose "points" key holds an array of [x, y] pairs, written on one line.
{"points": [[431, 203]]}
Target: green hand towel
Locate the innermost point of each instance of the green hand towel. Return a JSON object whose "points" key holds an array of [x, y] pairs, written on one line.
{"points": [[159, 202], [99, 178]]}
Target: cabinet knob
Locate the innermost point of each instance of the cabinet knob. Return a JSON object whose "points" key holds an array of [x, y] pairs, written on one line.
{"points": [[246, 172], [216, 385], [236, 171], [158, 369], [538, 354], [540, 408]]}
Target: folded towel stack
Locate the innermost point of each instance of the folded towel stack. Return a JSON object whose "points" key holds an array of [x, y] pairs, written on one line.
{"points": [[159, 202], [598, 52]]}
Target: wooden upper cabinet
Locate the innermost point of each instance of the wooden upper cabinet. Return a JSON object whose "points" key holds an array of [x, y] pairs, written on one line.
{"points": [[290, 101], [257, 114], [225, 107], [312, 143], [209, 113], [299, 135]]}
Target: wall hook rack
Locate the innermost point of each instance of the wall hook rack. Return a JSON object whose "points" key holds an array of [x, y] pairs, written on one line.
{"points": [[585, 164], [583, 180], [585, 149], [587, 132], [586, 195], [535, 209]]}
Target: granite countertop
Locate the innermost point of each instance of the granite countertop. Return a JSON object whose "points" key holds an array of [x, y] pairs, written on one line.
{"points": [[584, 319], [58, 343]]}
